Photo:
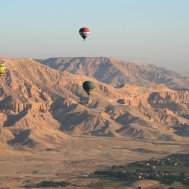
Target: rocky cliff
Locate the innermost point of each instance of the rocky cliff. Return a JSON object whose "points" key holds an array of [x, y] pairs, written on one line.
{"points": [[117, 73], [42, 107]]}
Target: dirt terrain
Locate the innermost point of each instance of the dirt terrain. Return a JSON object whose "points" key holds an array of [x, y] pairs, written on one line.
{"points": [[50, 130], [76, 158]]}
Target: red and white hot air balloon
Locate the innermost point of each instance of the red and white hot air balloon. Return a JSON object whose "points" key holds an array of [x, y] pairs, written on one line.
{"points": [[84, 32]]}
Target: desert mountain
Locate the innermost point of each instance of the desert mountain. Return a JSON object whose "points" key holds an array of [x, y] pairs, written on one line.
{"points": [[117, 73], [41, 107]]}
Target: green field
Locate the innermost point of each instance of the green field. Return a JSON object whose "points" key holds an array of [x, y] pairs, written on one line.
{"points": [[169, 170]]}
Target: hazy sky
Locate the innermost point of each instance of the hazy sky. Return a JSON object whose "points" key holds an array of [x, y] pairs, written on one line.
{"points": [[144, 31]]}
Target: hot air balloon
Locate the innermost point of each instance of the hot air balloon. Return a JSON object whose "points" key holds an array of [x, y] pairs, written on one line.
{"points": [[2, 68], [88, 86], [84, 32]]}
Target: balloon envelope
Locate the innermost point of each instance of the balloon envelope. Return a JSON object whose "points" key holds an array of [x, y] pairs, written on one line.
{"points": [[2, 68], [88, 86], [84, 32]]}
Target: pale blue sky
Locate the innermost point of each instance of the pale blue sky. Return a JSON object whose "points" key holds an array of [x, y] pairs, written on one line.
{"points": [[145, 31]]}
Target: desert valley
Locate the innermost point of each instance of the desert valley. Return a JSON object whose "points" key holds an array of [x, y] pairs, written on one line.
{"points": [[50, 129]]}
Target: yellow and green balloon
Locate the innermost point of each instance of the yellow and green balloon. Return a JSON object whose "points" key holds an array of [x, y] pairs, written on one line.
{"points": [[3, 68]]}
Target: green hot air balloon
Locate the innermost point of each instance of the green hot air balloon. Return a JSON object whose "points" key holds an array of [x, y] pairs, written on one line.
{"points": [[3, 68], [88, 86]]}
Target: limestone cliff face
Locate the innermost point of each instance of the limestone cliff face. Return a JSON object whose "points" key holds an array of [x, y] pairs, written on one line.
{"points": [[35, 107], [155, 96], [23, 99], [158, 103], [182, 95], [172, 100], [18, 107]]}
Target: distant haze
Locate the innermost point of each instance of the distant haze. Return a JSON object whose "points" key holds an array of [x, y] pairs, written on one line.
{"points": [[152, 32]]}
